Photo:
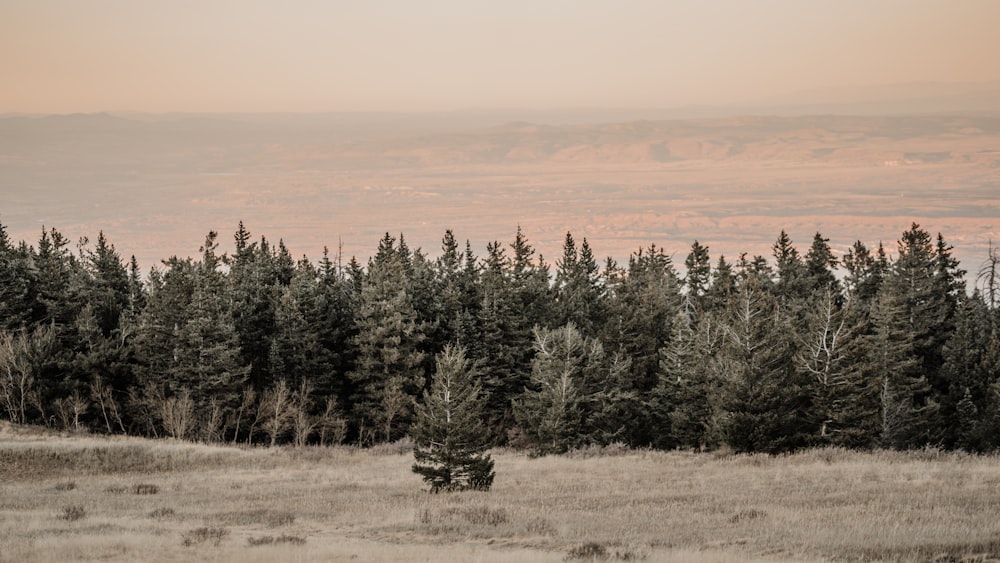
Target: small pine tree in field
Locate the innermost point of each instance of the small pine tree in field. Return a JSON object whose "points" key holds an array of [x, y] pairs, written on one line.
{"points": [[450, 439]]}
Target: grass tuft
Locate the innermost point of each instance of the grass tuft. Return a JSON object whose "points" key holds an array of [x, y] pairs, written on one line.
{"points": [[263, 517], [403, 446], [145, 489], [743, 515], [67, 486], [162, 513], [475, 515], [595, 450], [271, 540], [73, 512], [198, 536]]}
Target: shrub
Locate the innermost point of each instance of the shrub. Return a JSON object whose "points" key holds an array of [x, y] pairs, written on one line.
{"points": [[588, 552], [593, 551]]}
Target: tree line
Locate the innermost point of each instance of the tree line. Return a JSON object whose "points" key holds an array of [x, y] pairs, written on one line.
{"points": [[756, 354]]}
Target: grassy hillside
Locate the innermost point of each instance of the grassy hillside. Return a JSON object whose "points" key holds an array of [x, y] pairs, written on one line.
{"points": [[90, 498]]}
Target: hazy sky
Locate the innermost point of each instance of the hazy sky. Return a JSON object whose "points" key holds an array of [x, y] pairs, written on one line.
{"points": [[60, 56]]}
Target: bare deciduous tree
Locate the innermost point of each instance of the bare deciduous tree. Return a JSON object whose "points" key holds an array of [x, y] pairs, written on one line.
{"points": [[395, 403], [177, 415], [103, 395], [332, 424], [303, 423], [276, 410], [249, 397], [20, 354]]}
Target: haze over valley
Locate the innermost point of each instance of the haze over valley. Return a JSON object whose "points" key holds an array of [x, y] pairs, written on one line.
{"points": [[156, 184]]}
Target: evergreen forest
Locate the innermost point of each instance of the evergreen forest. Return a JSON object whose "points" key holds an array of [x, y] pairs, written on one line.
{"points": [[878, 348]]}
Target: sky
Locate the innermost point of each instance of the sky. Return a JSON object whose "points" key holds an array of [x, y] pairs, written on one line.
{"points": [[66, 56]]}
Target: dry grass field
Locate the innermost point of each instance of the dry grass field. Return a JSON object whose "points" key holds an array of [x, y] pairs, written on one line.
{"points": [[78, 498]]}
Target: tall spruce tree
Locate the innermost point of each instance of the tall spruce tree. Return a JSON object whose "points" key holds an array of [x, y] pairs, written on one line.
{"points": [[792, 283], [697, 280], [17, 285], [309, 335], [642, 309], [257, 276], [577, 288], [550, 410], [971, 367], [927, 283], [389, 372], [843, 404], [500, 349], [865, 273], [762, 396], [908, 411], [681, 403], [820, 264], [723, 284]]}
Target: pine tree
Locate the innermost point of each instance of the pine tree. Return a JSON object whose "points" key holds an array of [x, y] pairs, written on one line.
{"points": [[108, 290], [529, 286], [450, 295], [792, 281], [928, 283], [449, 435], [578, 293], [971, 366], [206, 357], [865, 274], [577, 393], [188, 343], [762, 400], [389, 373], [820, 264], [551, 411], [698, 278], [643, 307], [500, 351], [257, 277], [17, 285], [297, 354], [723, 285], [681, 403], [843, 399], [908, 412], [515, 300]]}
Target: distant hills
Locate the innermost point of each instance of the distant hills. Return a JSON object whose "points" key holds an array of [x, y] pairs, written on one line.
{"points": [[377, 143]]}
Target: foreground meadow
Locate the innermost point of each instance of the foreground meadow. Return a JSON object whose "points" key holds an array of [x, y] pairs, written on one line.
{"points": [[116, 499]]}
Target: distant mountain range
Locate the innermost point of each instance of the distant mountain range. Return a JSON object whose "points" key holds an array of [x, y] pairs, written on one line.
{"points": [[354, 142]]}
